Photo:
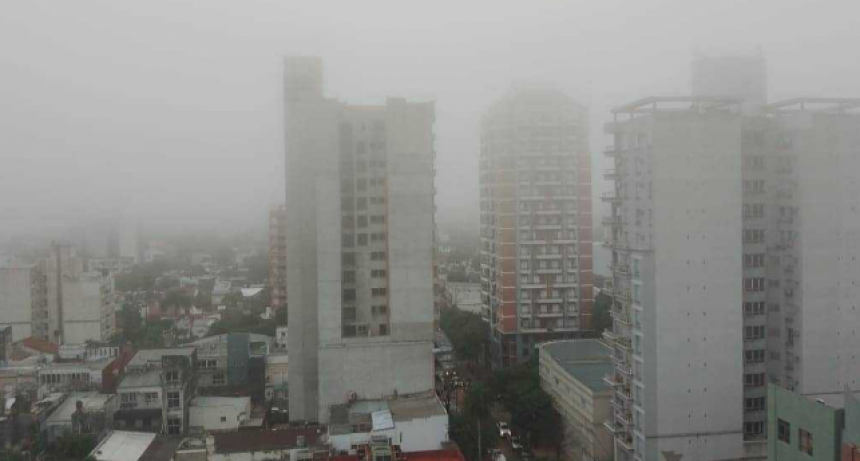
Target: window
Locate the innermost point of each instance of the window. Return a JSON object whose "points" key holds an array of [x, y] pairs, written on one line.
{"points": [[208, 364], [173, 400], [362, 239], [349, 276], [361, 330], [754, 380], [754, 404], [377, 256], [754, 308], [379, 309], [151, 397], [377, 236], [383, 329], [754, 284], [218, 379], [349, 294], [377, 219], [348, 240], [361, 203], [378, 273], [754, 356], [378, 291], [804, 441], [174, 426], [754, 260], [754, 428], [752, 333], [753, 235], [171, 376], [362, 221], [783, 431]]}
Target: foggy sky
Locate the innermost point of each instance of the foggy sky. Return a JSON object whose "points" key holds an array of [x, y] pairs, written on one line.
{"points": [[173, 109]]}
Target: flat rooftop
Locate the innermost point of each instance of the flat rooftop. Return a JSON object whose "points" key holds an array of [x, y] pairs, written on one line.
{"points": [[401, 408], [123, 446], [586, 360], [93, 402], [148, 378], [154, 355]]}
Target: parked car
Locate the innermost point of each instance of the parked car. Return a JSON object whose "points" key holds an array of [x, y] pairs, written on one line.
{"points": [[504, 429], [497, 455]]}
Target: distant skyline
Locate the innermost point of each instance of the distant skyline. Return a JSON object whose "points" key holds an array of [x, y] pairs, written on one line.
{"points": [[173, 110]]}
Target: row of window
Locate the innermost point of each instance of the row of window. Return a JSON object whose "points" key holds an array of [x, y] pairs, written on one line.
{"points": [[752, 333], [804, 438], [754, 260], [348, 222]]}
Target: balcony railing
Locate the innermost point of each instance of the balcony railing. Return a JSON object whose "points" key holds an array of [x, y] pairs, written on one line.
{"points": [[610, 197]]}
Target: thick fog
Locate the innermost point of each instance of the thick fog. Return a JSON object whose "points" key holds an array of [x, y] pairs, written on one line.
{"points": [[172, 110]]}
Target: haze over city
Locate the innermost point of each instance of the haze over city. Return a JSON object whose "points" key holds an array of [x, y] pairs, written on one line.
{"points": [[429, 231], [172, 110]]}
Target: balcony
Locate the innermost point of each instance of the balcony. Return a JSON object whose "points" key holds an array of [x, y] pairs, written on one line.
{"points": [[613, 380], [620, 269], [611, 221], [611, 174], [625, 441], [610, 197], [621, 317]]}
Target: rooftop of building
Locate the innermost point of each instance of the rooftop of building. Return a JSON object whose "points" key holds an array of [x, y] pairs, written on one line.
{"points": [[143, 378], [145, 356], [92, 402], [380, 414], [252, 337], [123, 446], [586, 360], [92, 365], [268, 440], [39, 345], [236, 403]]}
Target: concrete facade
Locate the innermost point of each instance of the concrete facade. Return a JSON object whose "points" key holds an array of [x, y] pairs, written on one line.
{"points": [[573, 374], [536, 221], [19, 293], [800, 428], [360, 198], [677, 267]]}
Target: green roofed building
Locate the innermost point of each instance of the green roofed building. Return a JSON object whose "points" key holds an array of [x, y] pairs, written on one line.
{"points": [[574, 373]]}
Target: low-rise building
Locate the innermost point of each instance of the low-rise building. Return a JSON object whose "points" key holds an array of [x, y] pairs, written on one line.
{"points": [[219, 413], [156, 389], [574, 374], [277, 372], [135, 446], [293, 443], [72, 376], [803, 428], [416, 422], [233, 361], [80, 413]]}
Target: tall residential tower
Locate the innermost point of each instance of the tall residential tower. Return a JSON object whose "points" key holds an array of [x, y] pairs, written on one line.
{"points": [[360, 234], [536, 227], [735, 231]]}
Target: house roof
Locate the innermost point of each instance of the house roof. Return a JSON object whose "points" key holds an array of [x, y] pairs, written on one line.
{"points": [[144, 356], [40, 345], [123, 446], [254, 441]]}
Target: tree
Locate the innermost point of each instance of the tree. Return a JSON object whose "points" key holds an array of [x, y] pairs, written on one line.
{"points": [[476, 418], [177, 298], [602, 319], [468, 332], [531, 408], [76, 446]]}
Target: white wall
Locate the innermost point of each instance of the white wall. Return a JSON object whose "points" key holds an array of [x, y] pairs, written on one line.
{"points": [[15, 301], [220, 417], [413, 435], [693, 377]]}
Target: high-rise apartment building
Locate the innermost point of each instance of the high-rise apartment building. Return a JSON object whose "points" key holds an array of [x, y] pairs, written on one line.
{"points": [[278, 257], [22, 293], [78, 305], [360, 200], [536, 226], [734, 229]]}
